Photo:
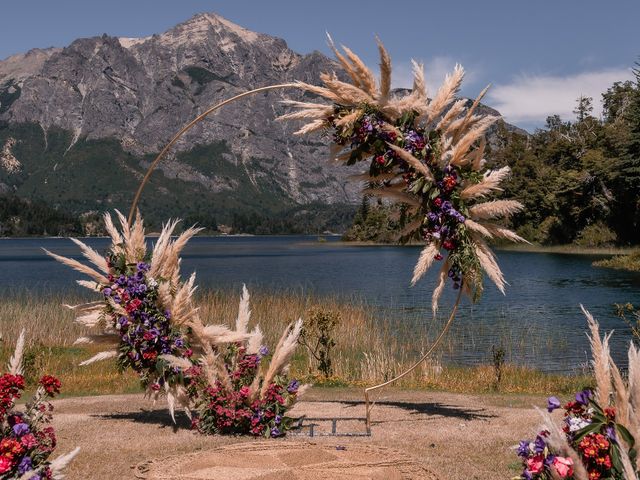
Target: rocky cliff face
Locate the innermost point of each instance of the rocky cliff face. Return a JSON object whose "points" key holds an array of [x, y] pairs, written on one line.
{"points": [[135, 93], [141, 91]]}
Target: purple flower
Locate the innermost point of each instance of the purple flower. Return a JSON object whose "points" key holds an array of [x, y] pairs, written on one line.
{"points": [[275, 432], [25, 465], [106, 291], [20, 429], [278, 419], [552, 404], [526, 475], [583, 397], [611, 433], [264, 351], [432, 217], [143, 267], [446, 206], [293, 386], [523, 449], [539, 444]]}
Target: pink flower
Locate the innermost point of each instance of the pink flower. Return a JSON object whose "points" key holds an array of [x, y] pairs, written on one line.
{"points": [[535, 464], [244, 392], [5, 464], [564, 466], [28, 441]]}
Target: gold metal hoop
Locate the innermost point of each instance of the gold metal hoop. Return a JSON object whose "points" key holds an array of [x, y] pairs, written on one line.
{"points": [[368, 405]]}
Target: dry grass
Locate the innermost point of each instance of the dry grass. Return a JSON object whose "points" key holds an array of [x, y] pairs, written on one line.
{"points": [[363, 355]]}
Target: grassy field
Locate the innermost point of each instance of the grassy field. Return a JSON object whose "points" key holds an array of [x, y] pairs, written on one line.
{"points": [[365, 352]]}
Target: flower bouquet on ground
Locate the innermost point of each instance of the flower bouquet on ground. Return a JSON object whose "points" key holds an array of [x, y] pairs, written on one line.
{"points": [[27, 440], [246, 399], [597, 438], [148, 316]]}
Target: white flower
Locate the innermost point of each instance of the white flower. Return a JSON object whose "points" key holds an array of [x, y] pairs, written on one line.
{"points": [[577, 423]]}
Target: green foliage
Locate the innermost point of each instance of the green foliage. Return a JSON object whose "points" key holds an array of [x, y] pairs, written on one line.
{"points": [[596, 235], [621, 262], [373, 223], [301, 219], [105, 177], [21, 218], [318, 337], [579, 180]]}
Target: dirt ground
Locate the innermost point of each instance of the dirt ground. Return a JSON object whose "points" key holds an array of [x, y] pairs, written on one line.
{"points": [[452, 436]]}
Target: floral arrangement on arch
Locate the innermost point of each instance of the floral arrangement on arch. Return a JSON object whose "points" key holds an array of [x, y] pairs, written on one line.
{"points": [[427, 155], [224, 378], [599, 427], [26, 438]]}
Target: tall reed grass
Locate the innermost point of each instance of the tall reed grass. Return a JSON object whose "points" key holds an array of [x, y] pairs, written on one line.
{"points": [[370, 347]]}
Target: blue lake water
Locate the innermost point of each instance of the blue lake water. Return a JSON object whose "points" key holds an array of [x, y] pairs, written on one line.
{"points": [[538, 322]]}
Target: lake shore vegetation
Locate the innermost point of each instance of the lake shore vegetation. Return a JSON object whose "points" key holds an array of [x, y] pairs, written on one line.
{"points": [[361, 356]]}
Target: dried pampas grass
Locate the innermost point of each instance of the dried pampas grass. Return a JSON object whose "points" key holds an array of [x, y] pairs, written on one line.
{"points": [[409, 176]]}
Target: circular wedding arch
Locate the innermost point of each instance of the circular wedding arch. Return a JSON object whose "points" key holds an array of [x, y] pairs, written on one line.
{"points": [[132, 211]]}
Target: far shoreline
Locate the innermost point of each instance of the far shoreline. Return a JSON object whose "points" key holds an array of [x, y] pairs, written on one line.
{"points": [[568, 249]]}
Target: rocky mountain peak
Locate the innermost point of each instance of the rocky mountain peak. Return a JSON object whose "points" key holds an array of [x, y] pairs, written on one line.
{"points": [[206, 28], [133, 94]]}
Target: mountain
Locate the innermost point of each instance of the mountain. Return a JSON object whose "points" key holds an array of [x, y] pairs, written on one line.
{"points": [[79, 125]]}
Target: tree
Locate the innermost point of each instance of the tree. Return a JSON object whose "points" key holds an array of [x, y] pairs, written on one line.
{"points": [[615, 101], [584, 107], [630, 165]]}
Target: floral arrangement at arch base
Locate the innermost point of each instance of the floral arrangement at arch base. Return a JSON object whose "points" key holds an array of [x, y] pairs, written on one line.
{"points": [[26, 439], [597, 439], [427, 155], [224, 378]]}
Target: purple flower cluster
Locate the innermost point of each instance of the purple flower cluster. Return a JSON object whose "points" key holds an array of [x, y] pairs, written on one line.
{"points": [[369, 137], [145, 330]]}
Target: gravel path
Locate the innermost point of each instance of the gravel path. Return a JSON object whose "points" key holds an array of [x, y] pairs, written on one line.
{"points": [[415, 434]]}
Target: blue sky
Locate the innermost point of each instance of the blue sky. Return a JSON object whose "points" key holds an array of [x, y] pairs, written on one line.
{"points": [[539, 55]]}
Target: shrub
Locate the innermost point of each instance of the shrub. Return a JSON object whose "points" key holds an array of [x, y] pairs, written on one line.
{"points": [[317, 335], [596, 235]]}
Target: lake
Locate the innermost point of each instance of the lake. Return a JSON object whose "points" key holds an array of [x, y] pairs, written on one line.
{"points": [[538, 321]]}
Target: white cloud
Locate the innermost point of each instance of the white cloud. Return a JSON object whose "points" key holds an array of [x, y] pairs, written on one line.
{"points": [[529, 99]]}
